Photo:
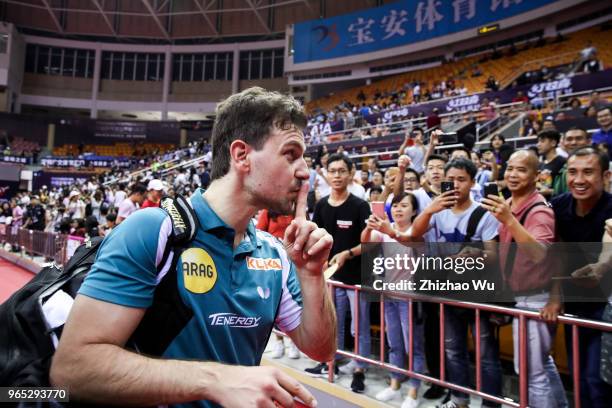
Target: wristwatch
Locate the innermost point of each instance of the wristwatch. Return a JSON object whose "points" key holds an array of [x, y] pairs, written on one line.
{"points": [[351, 254]]}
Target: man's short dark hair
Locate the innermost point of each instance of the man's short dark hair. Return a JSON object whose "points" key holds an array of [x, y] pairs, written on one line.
{"points": [[583, 130], [550, 134], [435, 157], [340, 157], [603, 108], [413, 171], [462, 164], [249, 116], [602, 158], [418, 129], [463, 149], [138, 188]]}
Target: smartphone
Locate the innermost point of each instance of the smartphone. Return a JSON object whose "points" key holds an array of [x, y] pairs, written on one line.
{"points": [[447, 186], [378, 208], [491, 189], [448, 138]]}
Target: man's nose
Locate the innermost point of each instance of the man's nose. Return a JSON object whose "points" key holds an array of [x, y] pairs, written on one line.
{"points": [[302, 170]]}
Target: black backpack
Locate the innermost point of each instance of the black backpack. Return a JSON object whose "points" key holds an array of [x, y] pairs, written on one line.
{"points": [[28, 342]]}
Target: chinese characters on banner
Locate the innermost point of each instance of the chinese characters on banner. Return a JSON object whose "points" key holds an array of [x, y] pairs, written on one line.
{"points": [[400, 23]]}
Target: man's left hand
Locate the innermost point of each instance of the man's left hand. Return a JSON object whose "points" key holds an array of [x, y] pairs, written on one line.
{"points": [[551, 311], [307, 245], [590, 275], [498, 207]]}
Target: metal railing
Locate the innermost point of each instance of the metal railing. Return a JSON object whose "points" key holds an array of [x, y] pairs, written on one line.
{"points": [[447, 118], [523, 317], [49, 245]]}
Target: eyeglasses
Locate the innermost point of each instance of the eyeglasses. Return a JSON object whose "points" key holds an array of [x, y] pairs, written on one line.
{"points": [[340, 172]]}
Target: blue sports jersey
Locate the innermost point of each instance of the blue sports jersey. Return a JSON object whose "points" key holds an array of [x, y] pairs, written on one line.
{"points": [[235, 295]]}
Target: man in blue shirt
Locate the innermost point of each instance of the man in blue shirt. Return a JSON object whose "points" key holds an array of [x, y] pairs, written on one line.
{"points": [[604, 134], [229, 287]]}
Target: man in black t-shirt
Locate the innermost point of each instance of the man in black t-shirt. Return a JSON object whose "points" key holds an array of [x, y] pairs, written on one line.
{"points": [[551, 163], [344, 216], [580, 216]]}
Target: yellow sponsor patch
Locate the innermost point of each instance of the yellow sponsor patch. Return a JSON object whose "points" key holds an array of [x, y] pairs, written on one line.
{"points": [[199, 270]]}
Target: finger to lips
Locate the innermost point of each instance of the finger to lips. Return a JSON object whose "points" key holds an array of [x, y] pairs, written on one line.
{"points": [[301, 204], [290, 232]]}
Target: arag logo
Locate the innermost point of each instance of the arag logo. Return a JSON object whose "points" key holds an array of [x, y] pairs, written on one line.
{"points": [[199, 270]]}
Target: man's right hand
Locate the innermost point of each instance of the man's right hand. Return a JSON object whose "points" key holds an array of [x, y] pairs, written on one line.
{"points": [[259, 387], [442, 202]]}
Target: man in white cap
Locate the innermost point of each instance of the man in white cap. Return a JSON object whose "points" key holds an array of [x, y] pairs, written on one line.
{"points": [[155, 191]]}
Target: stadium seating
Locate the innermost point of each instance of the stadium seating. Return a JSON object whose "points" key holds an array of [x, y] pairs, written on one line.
{"points": [[117, 149], [503, 69]]}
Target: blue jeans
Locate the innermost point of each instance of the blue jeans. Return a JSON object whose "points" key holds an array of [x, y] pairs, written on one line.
{"points": [[594, 392], [545, 386], [456, 321], [396, 321], [345, 299]]}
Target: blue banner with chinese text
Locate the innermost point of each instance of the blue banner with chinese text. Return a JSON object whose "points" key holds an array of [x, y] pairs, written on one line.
{"points": [[397, 24]]}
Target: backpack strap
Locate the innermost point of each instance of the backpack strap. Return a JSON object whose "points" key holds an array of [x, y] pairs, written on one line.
{"points": [[184, 219], [509, 267], [473, 222]]}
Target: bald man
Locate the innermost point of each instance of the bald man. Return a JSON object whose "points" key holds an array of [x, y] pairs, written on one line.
{"points": [[526, 218]]}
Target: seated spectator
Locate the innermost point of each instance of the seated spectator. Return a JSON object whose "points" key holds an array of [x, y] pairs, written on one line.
{"points": [[520, 97], [592, 65], [492, 85]]}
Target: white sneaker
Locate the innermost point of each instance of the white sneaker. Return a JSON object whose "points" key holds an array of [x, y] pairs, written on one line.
{"points": [[348, 368], [388, 394], [278, 349], [409, 402], [293, 351]]}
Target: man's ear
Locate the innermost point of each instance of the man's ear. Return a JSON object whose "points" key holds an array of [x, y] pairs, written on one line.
{"points": [[239, 153]]}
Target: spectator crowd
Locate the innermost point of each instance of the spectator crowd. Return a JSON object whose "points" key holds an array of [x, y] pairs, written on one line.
{"points": [[554, 190]]}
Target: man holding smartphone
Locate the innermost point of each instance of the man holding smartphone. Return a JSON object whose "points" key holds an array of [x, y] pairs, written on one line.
{"points": [[526, 219], [448, 218]]}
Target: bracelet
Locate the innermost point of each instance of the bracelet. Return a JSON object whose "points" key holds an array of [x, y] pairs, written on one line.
{"points": [[351, 254]]}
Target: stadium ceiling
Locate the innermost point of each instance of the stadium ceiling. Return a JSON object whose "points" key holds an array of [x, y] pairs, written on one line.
{"points": [[159, 21]]}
